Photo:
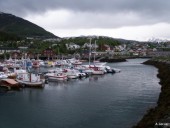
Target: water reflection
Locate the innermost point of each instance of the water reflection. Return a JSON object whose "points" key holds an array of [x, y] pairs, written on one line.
{"points": [[96, 77], [100, 101], [57, 83]]}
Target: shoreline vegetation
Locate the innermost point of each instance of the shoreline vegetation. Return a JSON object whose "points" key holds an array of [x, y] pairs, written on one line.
{"points": [[159, 116]]}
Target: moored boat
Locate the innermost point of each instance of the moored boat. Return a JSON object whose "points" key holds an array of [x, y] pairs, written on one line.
{"points": [[97, 71], [9, 84], [77, 62], [72, 74], [30, 80], [56, 76]]}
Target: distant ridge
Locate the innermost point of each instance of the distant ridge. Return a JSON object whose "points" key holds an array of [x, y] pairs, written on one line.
{"points": [[103, 37], [18, 26], [157, 40]]}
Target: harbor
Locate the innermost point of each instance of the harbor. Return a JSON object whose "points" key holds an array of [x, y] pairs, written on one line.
{"points": [[35, 73], [110, 100], [84, 64]]}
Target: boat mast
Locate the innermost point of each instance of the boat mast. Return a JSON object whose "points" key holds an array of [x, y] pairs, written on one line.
{"points": [[89, 51], [30, 76], [94, 52]]}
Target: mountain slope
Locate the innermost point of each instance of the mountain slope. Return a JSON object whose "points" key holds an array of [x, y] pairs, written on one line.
{"points": [[18, 26], [8, 37]]}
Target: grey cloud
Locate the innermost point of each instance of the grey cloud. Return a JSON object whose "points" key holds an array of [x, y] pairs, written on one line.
{"points": [[111, 6], [150, 11]]}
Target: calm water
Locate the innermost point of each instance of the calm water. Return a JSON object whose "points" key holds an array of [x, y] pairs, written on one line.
{"points": [[110, 101]]}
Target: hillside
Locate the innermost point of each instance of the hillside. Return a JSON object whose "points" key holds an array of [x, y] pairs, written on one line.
{"points": [[15, 25], [8, 37], [99, 40]]}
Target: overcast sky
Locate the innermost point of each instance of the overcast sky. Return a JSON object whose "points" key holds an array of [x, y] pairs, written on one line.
{"points": [[128, 19]]}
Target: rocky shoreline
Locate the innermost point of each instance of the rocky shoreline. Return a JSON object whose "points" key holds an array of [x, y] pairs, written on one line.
{"points": [[159, 116]]}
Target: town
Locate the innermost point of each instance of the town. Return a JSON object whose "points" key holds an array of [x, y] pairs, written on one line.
{"points": [[80, 47]]}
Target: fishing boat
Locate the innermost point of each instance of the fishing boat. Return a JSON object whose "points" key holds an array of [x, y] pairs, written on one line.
{"points": [[84, 69], [30, 80], [97, 70]]}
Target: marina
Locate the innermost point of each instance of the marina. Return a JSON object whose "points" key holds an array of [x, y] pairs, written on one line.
{"points": [[97, 101], [34, 73]]}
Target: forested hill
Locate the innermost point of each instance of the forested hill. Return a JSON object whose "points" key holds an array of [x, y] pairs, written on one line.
{"points": [[22, 28]]}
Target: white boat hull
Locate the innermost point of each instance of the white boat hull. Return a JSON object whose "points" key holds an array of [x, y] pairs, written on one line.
{"points": [[98, 72], [32, 84], [57, 78], [72, 76]]}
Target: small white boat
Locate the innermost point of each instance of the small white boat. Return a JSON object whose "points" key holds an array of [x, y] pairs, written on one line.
{"points": [[72, 74], [84, 69], [56, 76], [62, 63], [97, 71]]}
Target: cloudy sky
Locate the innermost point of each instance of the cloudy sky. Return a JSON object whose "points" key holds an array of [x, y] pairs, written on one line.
{"points": [[128, 19]]}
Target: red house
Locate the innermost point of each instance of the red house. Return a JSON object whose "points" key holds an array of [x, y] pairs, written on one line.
{"points": [[48, 52], [105, 47]]}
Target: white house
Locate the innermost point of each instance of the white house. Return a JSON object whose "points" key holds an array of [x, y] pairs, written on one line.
{"points": [[120, 47], [88, 45], [72, 46]]}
